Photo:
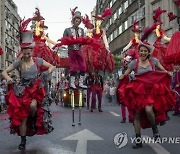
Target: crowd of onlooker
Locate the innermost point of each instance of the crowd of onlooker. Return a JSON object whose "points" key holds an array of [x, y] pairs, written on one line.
{"points": [[110, 90]]}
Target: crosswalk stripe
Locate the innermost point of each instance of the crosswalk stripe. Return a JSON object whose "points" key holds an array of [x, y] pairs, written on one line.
{"points": [[115, 114]]}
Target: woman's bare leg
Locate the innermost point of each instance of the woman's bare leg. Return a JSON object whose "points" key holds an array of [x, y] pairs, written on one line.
{"points": [[33, 107], [151, 117]]}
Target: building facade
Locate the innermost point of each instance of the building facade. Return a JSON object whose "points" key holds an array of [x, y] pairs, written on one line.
{"points": [[169, 6], [119, 26], [9, 22]]}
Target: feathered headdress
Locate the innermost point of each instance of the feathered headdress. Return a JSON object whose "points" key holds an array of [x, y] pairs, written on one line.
{"points": [[26, 36], [37, 16], [73, 11], [135, 27], [24, 23], [107, 13], [157, 14], [149, 29], [87, 22], [75, 14], [171, 16]]}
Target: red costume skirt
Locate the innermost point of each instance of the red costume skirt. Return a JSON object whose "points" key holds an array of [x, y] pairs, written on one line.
{"points": [[148, 89], [19, 109]]}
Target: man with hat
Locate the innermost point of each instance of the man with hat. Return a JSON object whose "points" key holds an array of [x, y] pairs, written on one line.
{"points": [[76, 59]]}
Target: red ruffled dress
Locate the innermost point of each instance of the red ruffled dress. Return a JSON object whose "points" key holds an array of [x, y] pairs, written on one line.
{"points": [[19, 107], [172, 55], [98, 58], [151, 88]]}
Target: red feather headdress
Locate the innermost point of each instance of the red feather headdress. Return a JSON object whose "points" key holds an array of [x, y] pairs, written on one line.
{"points": [[37, 16], [24, 23], [171, 16], [157, 13], [135, 27], [87, 22], [148, 30], [73, 11], [107, 13]]}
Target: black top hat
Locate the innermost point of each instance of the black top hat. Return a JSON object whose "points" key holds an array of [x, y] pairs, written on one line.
{"points": [[27, 40]]}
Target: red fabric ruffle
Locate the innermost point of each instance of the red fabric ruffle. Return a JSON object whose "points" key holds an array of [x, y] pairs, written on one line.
{"points": [[172, 55], [41, 50], [80, 40], [19, 108], [151, 88]]}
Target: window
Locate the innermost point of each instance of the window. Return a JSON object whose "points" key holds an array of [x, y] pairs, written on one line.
{"points": [[143, 12], [126, 5], [115, 33], [6, 23], [120, 29], [130, 1], [115, 16], [120, 10], [110, 4], [107, 25], [125, 25], [6, 63], [111, 37]]}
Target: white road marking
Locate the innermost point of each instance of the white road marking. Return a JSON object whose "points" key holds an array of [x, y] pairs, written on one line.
{"points": [[82, 137], [157, 148], [115, 114]]}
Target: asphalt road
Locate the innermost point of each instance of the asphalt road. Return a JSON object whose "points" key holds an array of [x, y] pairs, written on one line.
{"points": [[95, 135]]}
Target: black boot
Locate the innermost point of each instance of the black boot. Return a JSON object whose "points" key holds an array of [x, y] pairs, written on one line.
{"points": [[138, 142], [123, 120], [22, 145], [100, 110], [33, 118], [155, 132]]}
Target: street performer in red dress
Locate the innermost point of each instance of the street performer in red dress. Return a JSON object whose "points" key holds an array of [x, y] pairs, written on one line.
{"points": [[147, 94], [28, 102]]}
